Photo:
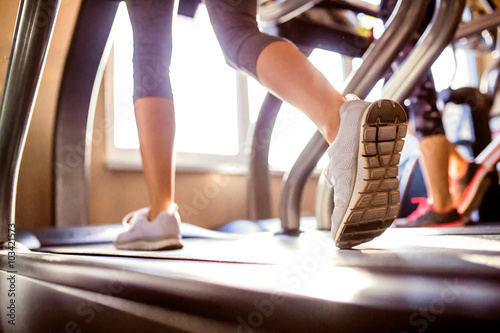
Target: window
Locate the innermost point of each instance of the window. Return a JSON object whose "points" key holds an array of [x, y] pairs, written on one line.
{"points": [[455, 69]]}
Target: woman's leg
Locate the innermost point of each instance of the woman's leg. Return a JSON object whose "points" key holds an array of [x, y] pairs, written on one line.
{"points": [[285, 71], [156, 227], [435, 154], [154, 109], [156, 126], [276, 63], [458, 165]]}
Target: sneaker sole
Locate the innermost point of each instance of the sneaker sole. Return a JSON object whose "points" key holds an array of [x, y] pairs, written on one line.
{"points": [[150, 245], [374, 200]]}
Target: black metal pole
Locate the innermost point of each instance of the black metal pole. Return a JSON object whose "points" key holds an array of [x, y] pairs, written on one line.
{"points": [[32, 33]]}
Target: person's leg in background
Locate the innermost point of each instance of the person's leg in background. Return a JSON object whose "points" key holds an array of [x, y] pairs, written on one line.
{"points": [[458, 170], [349, 127], [434, 146], [447, 174], [436, 152], [434, 159], [155, 227], [457, 163]]}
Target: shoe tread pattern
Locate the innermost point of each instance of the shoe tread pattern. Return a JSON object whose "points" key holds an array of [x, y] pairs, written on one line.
{"points": [[377, 204]]}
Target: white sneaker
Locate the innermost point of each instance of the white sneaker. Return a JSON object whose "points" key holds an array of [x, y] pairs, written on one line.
{"points": [[363, 169], [161, 233]]}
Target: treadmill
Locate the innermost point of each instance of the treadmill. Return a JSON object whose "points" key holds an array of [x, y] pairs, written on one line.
{"points": [[288, 279]]}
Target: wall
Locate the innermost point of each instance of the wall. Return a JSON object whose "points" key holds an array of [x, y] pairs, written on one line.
{"points": [[112, 193]]}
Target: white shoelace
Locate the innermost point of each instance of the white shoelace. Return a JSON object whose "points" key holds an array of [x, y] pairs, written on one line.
{"points": [[130, 218]]}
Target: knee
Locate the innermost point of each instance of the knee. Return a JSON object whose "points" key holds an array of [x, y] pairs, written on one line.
{"points": [[151, 75], [234, 41], [242, 47], [235, 24]]}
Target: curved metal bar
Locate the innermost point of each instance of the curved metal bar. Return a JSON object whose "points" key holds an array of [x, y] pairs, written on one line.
{"points": [[80, 84], [490, 155], [259, 187], [403, 22], [282, 11], [477, 25], [354, 5], [323, 204], [32, 33], [436, 37]]}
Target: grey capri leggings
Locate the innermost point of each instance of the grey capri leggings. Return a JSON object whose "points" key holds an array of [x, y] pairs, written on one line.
{"points": [[234, 23]]}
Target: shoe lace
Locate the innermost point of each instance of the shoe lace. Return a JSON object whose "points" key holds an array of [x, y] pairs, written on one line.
{"points": [[130, 218], [423, 206], [352, 97]]}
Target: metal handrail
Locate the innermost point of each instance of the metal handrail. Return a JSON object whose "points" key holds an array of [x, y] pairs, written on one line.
{"points": [[436, 37], [27, 58], [281, 11]]}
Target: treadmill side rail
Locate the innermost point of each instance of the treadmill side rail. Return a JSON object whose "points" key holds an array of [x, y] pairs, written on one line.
{"points": [[32, 34]]}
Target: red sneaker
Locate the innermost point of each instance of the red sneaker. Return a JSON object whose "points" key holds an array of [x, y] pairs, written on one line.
{"points": [[425, 216]]}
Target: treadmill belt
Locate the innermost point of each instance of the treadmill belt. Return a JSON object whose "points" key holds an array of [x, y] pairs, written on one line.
{"points": [[471, 250]]}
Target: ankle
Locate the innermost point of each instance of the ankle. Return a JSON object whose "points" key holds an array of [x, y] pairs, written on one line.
{"points": [[330, 133], [154, 210], [152, 215], [442, 207], [158, 206], [330, 129], [458, 169]]}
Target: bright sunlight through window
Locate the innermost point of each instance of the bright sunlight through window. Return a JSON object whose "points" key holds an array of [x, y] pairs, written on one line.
{"points": [[203, 85]]}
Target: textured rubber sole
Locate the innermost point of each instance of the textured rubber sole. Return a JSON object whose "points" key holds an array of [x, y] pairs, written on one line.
{"points": [[150, 245], [374, 202]]}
